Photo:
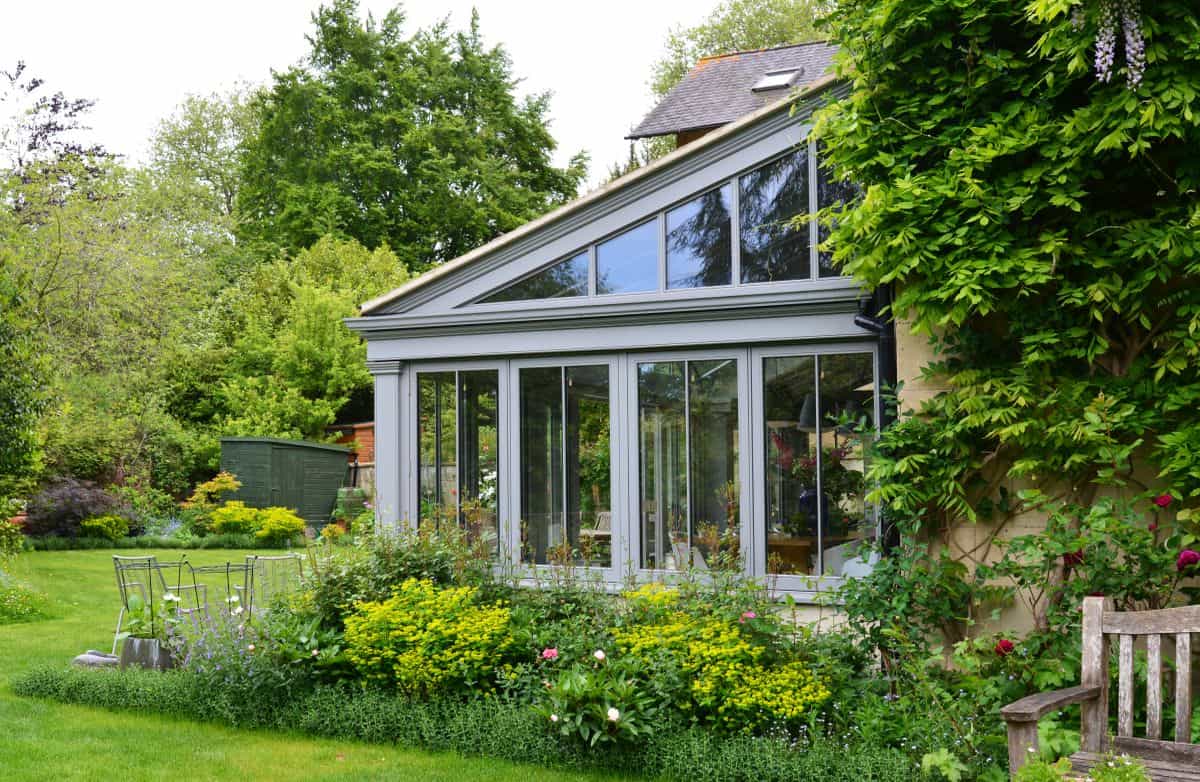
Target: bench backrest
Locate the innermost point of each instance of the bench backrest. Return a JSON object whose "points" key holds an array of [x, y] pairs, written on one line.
{"points": [[1101, 627]]}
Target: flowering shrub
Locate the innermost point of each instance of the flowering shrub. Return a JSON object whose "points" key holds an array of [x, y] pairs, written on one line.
{"points": [[597, 701], [426, 640], [727, 676], [12, 540]]}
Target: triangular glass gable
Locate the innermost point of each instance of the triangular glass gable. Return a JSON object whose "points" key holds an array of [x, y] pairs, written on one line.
{"points": [[562, 280]]}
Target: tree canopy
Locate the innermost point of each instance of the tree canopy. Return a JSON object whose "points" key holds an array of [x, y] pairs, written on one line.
{"points": [[417, 143]]}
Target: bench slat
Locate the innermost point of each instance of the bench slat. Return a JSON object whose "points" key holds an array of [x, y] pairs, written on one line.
{"points": [[1183, 687], [1125, 688], [1164, 620], [1154, 686]]}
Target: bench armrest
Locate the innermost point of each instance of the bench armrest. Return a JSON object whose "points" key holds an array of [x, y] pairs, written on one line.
{"points": [[1034, 707]]}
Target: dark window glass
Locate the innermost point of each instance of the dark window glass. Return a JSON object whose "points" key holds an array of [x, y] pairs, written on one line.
{"points": [[769, 197], [699, 241], [458, 453], [830, 192], [688, 457], [566, 508], [564, 279], [816, 411], [628, 262]]}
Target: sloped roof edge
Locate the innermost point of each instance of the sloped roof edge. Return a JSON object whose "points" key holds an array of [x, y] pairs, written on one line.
{"points": [[449, 267]]}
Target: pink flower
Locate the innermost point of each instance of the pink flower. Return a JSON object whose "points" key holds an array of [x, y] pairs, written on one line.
{"points": [[1004, 647], [1187, 559], [550, 653], [1162, 500], [1153, 526], [747, 615]]}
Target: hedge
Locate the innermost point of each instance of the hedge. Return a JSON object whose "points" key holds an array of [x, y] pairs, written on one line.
{"points": [[56, 543]]}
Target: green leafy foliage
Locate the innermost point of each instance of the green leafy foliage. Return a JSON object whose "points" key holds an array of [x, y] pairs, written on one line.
{"points": [[425, 640], [414, 143], [109, 526]]}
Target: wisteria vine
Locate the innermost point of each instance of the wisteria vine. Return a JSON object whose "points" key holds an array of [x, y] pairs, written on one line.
{"points": [[1125, 17]]}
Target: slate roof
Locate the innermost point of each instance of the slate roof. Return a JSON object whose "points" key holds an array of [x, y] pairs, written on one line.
{"points": [[719, 89]]}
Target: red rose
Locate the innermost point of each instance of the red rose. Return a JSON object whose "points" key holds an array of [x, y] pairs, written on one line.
{"points": [[1004, 647], [1187, 559], [1153, 526], [1162, 500], [1073, 558]]}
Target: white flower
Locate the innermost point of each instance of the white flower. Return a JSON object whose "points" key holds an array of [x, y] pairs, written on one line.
{"points": [[613, 714], [237, 611], [554, 718], [250, 648], [315, 652], [231, 599], [171, 597], [599, 655]]}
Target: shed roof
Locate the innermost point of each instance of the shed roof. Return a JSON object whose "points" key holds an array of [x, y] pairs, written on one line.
{"points": [[720, 89]]}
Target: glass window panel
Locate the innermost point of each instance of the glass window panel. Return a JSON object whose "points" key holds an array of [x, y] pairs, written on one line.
{"points": [[699, 241], [847, 406], [458, 453], [588, 464], [541, 408], [688, 434], [769, 197], [713, 459], [565, 279], [790, 410], [478, 448], [662, 434], [566, 507], [437, 475], [830, 192], [628, 262]]}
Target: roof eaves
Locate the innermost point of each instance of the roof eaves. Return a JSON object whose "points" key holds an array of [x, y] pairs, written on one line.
{"points": [[449, 267]]}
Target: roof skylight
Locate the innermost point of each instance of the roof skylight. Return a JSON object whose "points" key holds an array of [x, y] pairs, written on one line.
{"points": [[773, 80]]}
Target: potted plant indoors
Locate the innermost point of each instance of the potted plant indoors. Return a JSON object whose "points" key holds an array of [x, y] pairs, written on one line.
{"points": [[144, 642]]}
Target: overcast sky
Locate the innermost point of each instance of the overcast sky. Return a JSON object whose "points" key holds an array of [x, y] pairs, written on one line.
{"points": [[139, 58]]}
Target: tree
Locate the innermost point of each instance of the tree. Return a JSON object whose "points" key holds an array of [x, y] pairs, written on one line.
{"points": [[414, 143], [22, 392], [1042, 226]]}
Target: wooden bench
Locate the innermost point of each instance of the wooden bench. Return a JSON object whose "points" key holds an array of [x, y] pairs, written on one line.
{"points": [[1166, 760]]}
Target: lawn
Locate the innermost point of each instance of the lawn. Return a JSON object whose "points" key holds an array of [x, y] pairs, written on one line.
{"points": [[44, 740]]}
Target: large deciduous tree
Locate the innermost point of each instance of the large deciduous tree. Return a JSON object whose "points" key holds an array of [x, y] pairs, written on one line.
{"points": [[417, 143]]}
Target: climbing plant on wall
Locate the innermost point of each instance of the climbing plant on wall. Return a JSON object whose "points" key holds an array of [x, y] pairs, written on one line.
{"points": [[1035, 201]]}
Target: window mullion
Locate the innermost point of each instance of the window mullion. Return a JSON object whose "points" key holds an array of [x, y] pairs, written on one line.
{"points": [[687, 455], [820, 408]]}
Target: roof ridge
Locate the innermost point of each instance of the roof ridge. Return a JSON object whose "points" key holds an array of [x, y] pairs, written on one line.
{"points": [[711, 57]]}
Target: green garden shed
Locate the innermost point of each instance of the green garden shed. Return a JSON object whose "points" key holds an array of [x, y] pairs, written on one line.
{"points": [[294, 474]]}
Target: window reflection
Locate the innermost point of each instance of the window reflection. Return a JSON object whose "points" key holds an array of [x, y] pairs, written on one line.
{"points": [[816, 408], [830, 192], [457, 453], [565, 279], [769, 197], [566, 508], [688, 435], [628, 262], [699, 241]]}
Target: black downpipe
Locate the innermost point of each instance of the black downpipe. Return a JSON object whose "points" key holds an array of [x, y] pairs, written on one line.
{"points": [[875, 316]]}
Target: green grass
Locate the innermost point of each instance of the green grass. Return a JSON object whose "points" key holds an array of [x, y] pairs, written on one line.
{"points": [[43, 740]]}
